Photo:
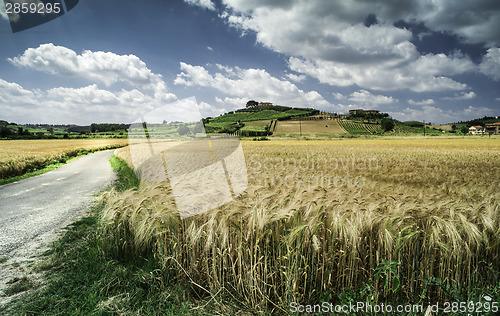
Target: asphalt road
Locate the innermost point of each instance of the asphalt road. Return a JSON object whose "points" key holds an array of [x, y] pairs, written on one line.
{"points": [[37, 207]]}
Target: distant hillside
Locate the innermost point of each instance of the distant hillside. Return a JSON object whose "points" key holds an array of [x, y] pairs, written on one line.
{"points": [[480, 121], [235, 120], [264, 113], [463, 126], [282, 120], [42, 131]]}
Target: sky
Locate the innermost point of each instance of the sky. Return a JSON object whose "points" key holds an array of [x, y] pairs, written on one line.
{"points": [[114, 61]]}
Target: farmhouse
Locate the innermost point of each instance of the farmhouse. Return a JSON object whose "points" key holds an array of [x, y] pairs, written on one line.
{"points": [[262, 104], [476, 130], [493, 128], [361, 111]]}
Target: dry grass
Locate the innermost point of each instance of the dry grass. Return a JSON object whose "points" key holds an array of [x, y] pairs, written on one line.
{"points": [[446, 127], [20, 156], [299, 232]]}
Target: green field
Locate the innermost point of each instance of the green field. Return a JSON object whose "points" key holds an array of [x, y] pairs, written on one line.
{"points": [[260, 128], [37, 133], [353, 127], [258, 116]]}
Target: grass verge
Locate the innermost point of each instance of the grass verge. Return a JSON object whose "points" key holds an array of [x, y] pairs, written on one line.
{"points": [[18, 285], [126, 176], [82, 280]]}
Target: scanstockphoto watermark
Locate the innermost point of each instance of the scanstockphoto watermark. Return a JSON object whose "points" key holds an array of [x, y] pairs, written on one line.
{"points": [[312, 171], [453, 308], [356, 307], [312, 163], [170, 144], [312, 182]]}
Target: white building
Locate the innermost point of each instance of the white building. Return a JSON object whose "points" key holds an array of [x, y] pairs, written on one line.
{"points": [[476, 130]]}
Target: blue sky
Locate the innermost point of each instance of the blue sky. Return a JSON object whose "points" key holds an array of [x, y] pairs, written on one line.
{"points": [[113, 61]]}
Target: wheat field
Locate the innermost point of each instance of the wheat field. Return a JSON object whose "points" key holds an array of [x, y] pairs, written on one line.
{"points": [[20, 156], [390, 219]]}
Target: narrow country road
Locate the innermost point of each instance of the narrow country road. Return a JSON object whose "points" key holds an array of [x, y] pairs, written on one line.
{"points": [[32, 211]]}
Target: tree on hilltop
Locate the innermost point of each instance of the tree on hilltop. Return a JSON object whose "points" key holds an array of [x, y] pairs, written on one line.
{"points": [[252, 103]]}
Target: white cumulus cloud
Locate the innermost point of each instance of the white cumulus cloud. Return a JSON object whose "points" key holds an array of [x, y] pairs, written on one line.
{"points": [[296, 78], [207, 4], [104, 67], [12, 93], [462, 96], [91, 103], [73, 105], [339, 96], [363, 97], [422, 75], [249, 84], [437, 115], [423, 102], [490, 64], [330, 41]]}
